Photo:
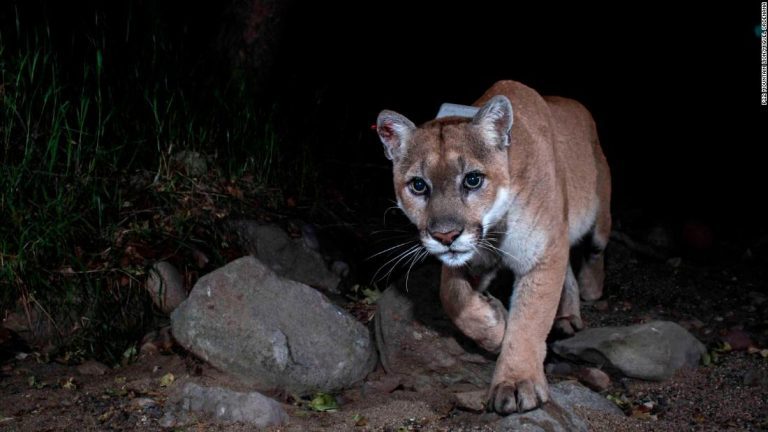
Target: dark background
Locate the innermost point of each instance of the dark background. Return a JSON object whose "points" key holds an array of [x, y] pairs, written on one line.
{"points": [[674, 91]]}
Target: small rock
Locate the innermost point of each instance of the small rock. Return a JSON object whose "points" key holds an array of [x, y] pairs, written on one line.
{"points": [[191, 163], [340, 268], [675, 262], [140, 386], [224, 405], [290, 258], [659, 236], [601, 305], [168, 420], [92, 367], [201, 259], [140, 180], [148, 349], [738, 339], [471, 400], [160, 340], [309, 235], [593, 378], [166, 286], [16, 322], [143, 402], [652, 351], [385, 384]]}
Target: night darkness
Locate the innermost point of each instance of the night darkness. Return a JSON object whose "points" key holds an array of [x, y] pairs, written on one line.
{"points": [[674, 91]]}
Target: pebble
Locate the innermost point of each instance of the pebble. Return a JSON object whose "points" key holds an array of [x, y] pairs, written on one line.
{"points": [[471, 400], [92, 367], [144, 402], [593, 378]]}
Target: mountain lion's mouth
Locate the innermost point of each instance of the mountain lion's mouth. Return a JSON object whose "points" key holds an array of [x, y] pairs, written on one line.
{"points": [[455, 258]]}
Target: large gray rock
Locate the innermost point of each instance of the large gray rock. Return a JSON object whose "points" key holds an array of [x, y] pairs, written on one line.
{"points": [[652, 351], [272, 332], [224, 405], [560, 414], [295, 259]]}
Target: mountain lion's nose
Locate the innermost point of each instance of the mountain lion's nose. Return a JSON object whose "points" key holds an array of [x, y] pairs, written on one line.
{"points": [[445, 238]]}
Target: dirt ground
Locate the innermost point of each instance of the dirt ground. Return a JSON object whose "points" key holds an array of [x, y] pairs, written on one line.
{"points": [[718, 303]]}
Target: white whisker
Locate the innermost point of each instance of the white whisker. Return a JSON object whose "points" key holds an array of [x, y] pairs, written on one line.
{"points": [[423, 252], [403, 256], [490, 247], [403, 244], [399, 255]]}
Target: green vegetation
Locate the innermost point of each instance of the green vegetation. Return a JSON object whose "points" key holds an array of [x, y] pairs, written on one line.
{"points": [[90, 195]]}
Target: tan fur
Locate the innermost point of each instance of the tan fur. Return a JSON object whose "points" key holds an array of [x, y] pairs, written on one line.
{"points": [[551, 170]]}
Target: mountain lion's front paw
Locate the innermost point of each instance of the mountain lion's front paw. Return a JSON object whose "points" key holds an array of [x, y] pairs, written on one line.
{"points": [[509, 395]]}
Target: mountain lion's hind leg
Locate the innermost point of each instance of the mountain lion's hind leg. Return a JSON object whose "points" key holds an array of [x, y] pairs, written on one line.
{"points": [[568, 319], [592, 271]]}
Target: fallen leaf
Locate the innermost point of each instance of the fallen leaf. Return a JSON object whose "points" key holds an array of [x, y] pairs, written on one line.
{"points": [[69, 384], [620, 400], [324, 402], [724, 348], [360, 420], [34, 383], [371, 295], [129, 353], [167, 380], [106, 415]]}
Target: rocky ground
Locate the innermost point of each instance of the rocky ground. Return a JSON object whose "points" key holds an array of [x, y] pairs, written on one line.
{"points": [[431, 383]]}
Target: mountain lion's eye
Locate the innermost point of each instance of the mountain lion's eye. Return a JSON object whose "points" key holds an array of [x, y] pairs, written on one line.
{"points": [[473, 180], [418, 186]]}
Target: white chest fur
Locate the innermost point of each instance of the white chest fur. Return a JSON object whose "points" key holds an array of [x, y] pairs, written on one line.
{"points": [[523, 243]]}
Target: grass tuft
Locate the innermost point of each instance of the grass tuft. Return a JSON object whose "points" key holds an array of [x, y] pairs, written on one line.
{"points": [[89, 194]]}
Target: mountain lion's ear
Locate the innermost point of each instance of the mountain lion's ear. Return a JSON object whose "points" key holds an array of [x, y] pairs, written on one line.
{"points": [[495, 120], [394, 131]]}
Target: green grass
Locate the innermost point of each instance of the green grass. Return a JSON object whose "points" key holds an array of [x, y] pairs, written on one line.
{"points": [[73, 137]]}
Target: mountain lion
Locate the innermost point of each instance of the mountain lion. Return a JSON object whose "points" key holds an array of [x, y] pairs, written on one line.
{"points": [[514, 190]]}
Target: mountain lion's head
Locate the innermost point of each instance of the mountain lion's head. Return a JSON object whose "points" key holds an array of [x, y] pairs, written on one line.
{"points": [[451, 177]]}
